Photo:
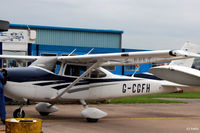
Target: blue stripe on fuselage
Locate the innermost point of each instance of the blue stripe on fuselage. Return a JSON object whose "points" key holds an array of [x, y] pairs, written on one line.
{"points": [[27, 74], [30, 74]]}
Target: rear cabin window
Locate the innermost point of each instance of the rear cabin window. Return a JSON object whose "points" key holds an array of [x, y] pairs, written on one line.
{"points": [[97, 74]]}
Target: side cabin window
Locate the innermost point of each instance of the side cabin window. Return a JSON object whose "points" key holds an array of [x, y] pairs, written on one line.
{"points": [[75, 70], [97, 74], [196, 64]]}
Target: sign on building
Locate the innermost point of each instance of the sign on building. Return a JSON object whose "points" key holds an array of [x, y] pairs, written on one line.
{"points": [[20, 36]]}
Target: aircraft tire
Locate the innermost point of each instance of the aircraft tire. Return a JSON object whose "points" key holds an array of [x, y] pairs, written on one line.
{"points": [[44, 113], [16, 113], [91, 120]]}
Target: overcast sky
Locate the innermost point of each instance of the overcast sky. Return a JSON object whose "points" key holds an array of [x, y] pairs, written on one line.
{"points": [[147, 24]]}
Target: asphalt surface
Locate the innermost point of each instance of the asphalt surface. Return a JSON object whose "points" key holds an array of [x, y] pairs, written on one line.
{"points": [[122, 118]]}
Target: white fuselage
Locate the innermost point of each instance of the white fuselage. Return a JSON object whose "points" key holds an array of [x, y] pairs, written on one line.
{"points": [[37, 84]]}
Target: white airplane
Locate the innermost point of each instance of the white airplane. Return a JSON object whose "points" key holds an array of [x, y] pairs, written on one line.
{"points": [[38, 83]]}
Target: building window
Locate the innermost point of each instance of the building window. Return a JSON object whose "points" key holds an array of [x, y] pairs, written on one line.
{"points": [[48, 54], [131, 68], [68, 54], [162, 63], [11, 63], [110, 68]]}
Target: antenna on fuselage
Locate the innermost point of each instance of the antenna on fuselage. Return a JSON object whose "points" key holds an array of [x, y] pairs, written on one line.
{"points": [[137, 68], [71, 52], [90, 51]]}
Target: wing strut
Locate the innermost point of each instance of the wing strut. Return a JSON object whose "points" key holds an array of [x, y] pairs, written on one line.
{"points": [[95, 65]]}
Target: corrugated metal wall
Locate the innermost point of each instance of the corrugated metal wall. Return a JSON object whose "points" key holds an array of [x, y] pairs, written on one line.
{"points": [[78, 38]]}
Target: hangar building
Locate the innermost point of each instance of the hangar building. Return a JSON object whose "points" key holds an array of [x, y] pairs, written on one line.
{"points": [[50, 40]]}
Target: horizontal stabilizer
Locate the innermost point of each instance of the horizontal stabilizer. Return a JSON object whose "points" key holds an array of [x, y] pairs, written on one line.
{"points": [[178, 74]]}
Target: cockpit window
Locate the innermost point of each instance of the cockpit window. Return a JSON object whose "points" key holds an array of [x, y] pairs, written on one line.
{"points": [[75, 70]]}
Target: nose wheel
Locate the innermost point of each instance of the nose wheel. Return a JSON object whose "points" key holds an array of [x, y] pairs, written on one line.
{"points": [[19, 113]]}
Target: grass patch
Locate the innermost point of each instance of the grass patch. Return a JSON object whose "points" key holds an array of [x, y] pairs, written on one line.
{"points": [[150, 98], [131, 100], [176, 95]]}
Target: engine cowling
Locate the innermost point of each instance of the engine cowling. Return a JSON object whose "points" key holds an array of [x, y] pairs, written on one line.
{"points": [[43, 107]]}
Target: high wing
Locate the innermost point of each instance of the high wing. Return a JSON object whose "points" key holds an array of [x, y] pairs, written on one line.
{"points": [[127, 58]]}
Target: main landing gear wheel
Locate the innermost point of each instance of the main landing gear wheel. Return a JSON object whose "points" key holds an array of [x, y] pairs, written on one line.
{"points": [[44, 113], [91, 120], [91, 114], [19, 113]]}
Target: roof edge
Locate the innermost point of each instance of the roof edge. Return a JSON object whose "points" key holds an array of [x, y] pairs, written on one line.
{"points": [[64, 28]]}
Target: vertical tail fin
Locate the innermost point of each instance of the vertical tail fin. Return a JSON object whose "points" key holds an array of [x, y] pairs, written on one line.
{"points": [[187, 62]]}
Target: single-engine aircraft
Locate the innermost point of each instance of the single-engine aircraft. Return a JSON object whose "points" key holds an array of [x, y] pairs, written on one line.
{"points": [[39, 83]]}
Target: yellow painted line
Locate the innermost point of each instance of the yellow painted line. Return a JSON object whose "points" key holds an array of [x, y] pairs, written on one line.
{"points": [[64, 120], [151, 118], [121, 119]]}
